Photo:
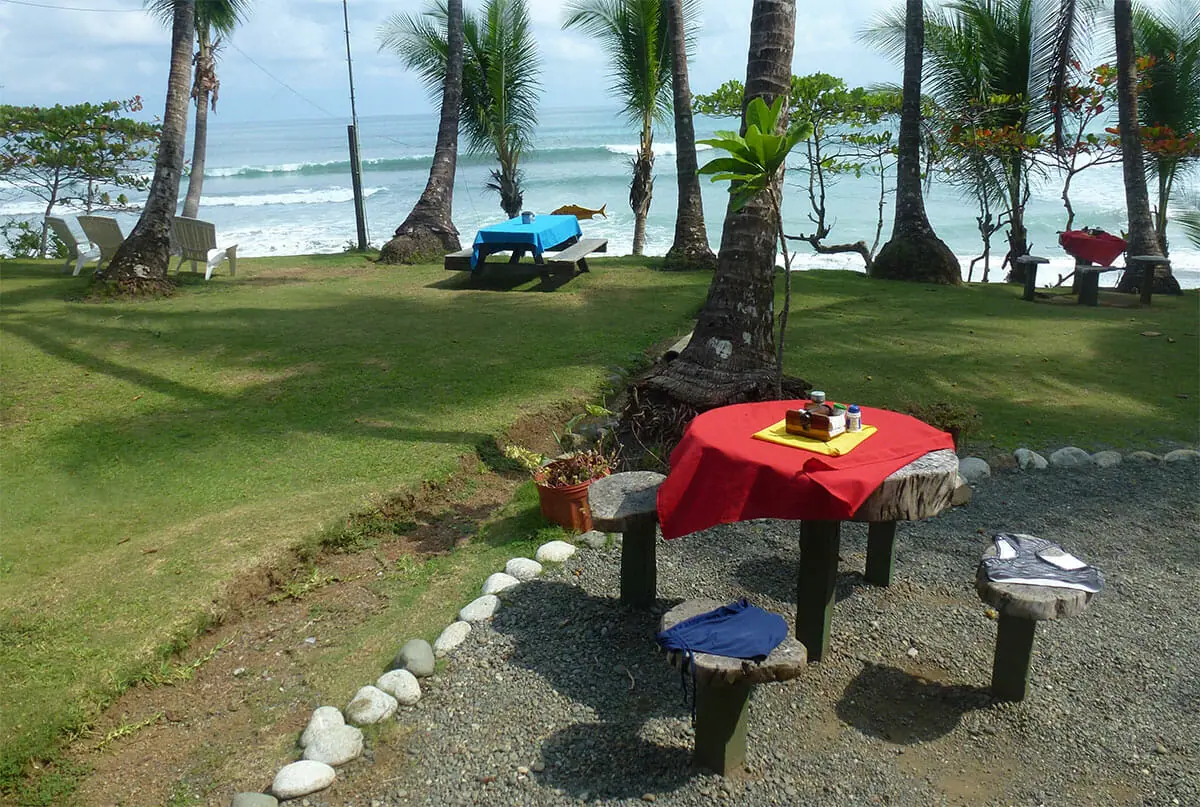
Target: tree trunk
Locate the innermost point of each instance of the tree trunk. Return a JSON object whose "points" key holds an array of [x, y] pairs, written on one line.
{"points": [[914, 251], [1018, 236], [429, 229], [1142, 238], [200, 91], [141, 261], [730, 357], [690, 249], [641, 188]]}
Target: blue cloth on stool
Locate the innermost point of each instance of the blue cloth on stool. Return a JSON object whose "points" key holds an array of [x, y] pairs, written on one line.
{"points": [[740, 630]]}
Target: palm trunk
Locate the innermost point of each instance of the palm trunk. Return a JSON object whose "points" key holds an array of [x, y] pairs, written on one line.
{"points": [[429, 227], [730, 357], [1018, 243], [141, 261], [914, 252], [641, 189], [1142, 237], [690, 249], [204, 66]]}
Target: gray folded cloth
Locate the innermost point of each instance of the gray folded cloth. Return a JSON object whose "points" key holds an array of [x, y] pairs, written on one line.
{"points": [[1033, 561]]}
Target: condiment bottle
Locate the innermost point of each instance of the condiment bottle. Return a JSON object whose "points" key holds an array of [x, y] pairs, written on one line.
{"points": [[817, 396], [853, 418]]}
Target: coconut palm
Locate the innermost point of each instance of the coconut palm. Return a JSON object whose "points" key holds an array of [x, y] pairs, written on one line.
{"points": [[730, 356], [914, 252], [140, 263], [1169, 102], [1142, 239], [636, 35], [217, 17], [994, 64], [429, 227], [690, 249], [499, 86]]}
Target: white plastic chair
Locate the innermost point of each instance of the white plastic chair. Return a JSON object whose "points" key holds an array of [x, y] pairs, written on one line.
{"points": [[197, 242], [103, 232], [75, 250]]}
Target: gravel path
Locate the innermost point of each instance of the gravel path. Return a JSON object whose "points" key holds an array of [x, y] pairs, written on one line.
{"points": [[564, 698]]}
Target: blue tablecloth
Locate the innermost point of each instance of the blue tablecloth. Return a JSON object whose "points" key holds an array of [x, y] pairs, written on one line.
{"points": [[543, 233]]}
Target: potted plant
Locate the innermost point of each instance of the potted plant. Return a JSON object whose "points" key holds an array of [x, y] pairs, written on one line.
{"points": [[562, 483]]}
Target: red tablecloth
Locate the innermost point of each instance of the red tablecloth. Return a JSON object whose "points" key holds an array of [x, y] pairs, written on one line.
{"points": [[720, 474], [1101, 248]]}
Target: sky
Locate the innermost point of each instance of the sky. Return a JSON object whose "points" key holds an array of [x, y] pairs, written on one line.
{"points": [[93, 50]]}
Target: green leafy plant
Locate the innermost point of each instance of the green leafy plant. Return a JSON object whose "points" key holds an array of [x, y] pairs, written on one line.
{"points": [[755, 165], [955, 418]]}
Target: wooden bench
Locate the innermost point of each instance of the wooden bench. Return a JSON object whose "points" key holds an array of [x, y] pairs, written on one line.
{"points": [[565, 260], [576, 254], [628, 503], [723, 689], [1021, 607]]}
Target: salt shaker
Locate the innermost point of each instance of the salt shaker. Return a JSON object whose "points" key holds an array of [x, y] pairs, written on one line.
{"points": [[853, 418]]}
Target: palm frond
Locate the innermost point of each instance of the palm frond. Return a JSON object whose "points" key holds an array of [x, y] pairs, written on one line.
{"points": [[420, 42], [219, 16], [635, 35]]}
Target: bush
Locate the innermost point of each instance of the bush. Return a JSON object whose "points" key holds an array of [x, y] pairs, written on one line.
{"points": [[23, 240], [957, 419]]}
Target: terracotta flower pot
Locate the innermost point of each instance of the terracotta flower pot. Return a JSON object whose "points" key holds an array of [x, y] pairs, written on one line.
{"points": [[567, 506]]}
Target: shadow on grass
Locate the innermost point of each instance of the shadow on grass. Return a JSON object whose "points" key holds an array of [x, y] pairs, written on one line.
{"points": [[900, 707], [505, 277], [601, 655]]}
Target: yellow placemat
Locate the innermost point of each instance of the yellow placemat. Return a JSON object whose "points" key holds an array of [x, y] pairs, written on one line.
{"points": [[844, 443]]}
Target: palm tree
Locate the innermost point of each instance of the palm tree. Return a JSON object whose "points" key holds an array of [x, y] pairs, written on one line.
{"points": [[690, 249], [635, 33], [914, 252], [1142, 239], [730, 357], [429, 228], [1169, 102], [995, 64], [212, 16], [499, 86], [140, 264]]}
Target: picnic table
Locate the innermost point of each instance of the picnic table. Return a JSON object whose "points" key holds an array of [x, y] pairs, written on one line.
{"points": [[542, 234], [721, 474]]}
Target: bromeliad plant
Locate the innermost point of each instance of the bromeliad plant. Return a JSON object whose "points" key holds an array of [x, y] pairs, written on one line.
{"points": [[575, 468], [755, 165]]}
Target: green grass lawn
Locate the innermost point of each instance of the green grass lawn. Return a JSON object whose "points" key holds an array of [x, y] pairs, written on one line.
{"points": [[153, 452]]}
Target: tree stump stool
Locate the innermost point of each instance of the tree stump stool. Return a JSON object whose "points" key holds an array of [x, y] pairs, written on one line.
{"points": [[628, 503], [1030, 264], [1021, 607], [723, 689]]}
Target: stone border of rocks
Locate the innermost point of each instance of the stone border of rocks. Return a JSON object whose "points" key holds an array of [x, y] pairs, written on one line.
{"points": [[973, 469], [333, 737]]}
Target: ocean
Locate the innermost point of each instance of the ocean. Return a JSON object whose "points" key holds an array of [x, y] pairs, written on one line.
{"points": [[283, 188]]}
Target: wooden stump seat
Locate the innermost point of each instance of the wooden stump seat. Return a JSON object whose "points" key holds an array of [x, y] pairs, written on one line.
{"points": [[723, 689], [1021, 607], [921, 489], [1030, 262], [628, 503]]}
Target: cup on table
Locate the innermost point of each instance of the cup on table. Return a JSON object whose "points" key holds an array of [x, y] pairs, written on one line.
{"points": [[527, 217]]}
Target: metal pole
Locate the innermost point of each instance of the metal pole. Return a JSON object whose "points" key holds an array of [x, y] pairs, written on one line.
{"points": [[360, 213]]}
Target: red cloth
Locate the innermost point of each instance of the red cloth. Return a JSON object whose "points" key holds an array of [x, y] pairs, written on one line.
{"points": [[720, 474], [1101, 248]]}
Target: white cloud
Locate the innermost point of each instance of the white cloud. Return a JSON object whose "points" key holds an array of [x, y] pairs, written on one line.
{"points": [[301, 42]]}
